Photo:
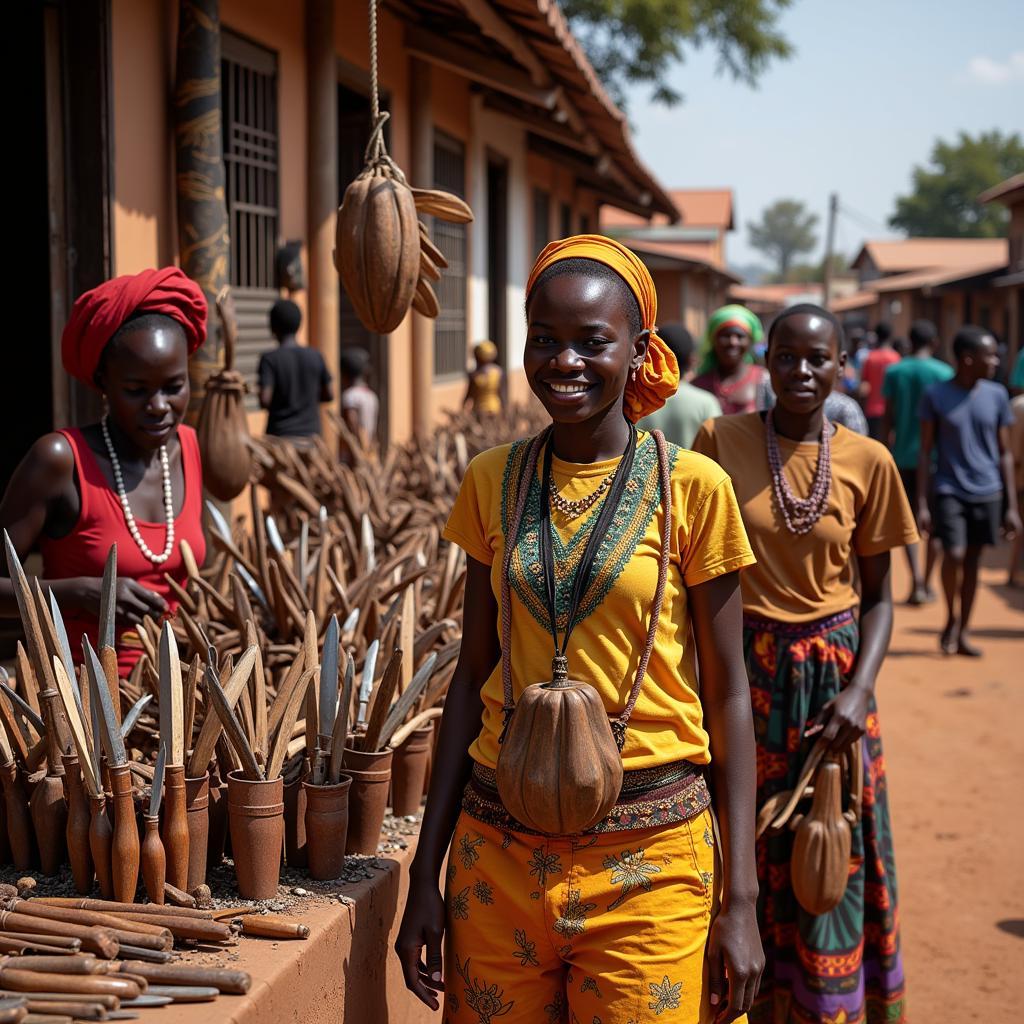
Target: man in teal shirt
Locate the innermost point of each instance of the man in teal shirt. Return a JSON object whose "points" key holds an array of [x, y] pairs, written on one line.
{"points": [[904, 384], [680, 417]]}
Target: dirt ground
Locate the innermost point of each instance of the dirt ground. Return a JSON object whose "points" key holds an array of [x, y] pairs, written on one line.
{"points": [[953, 734]]}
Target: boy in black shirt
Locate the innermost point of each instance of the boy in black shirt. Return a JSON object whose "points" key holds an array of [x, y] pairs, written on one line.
{"points": [[293, 379]]}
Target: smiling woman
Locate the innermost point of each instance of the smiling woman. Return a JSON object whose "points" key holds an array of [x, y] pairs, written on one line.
{"points": [[134, 479], [593, 551]]}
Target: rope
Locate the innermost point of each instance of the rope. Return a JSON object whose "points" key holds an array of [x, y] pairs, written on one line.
{"points": [[376, 153]]}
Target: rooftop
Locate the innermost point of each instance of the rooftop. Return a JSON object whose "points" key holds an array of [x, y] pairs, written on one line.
{"points": [[903, 255], [1009, 192]]}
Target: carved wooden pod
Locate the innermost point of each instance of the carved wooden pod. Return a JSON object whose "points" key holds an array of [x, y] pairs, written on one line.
{"points": [[559, 770], [377, 250], [820, 862]]}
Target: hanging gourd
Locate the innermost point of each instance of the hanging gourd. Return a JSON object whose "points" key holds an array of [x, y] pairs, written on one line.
{"points": [[223, 429], [383, 252]]}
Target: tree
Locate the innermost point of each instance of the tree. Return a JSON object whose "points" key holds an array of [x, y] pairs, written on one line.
{"points": [[785, 231], [944, 201], [630, 41]]}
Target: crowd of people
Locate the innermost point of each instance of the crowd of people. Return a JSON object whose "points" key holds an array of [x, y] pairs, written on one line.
{"points": [[698, 546]]}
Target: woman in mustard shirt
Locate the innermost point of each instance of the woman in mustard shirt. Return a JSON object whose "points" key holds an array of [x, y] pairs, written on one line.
{"points": [[823, 507], [614, 924]]}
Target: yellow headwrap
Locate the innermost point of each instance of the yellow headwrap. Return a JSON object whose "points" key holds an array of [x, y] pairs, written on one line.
{"points": [[657, 379]]}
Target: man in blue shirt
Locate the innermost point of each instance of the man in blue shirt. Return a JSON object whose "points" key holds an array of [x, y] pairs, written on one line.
{"points": [[967, 421]]}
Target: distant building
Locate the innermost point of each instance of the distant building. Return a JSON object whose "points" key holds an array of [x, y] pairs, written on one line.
{"points": [[686, 259]]}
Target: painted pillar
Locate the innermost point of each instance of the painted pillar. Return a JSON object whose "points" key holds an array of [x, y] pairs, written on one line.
{"points": [[203, 245], [322, 187], [421, 117]]}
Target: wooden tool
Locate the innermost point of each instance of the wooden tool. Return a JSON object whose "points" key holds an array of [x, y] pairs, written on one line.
{"points": [[175, 830], [107, 634], [269, 927], [221, 706], [152, 858], [125, 845], [225, 981]]}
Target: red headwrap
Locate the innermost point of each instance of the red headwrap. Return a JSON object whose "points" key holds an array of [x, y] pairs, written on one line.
{"points": [[97, 314]]}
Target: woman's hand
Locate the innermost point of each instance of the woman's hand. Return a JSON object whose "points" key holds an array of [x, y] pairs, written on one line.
{"points": [[422, 925], [844, 719], [735, 961], [131, 600]]}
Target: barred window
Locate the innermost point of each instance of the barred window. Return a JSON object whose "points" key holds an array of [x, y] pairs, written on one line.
{"points": [[541, 220], [250, 139], [451, 239]]}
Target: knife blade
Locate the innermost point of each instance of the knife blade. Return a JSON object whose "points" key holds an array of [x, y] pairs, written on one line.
{"points": [[221, 526], [65, 647], [171, 734], [329, 678], [135, 714], [108, 599], [157, 792], [20, 703], [103, 706], [366, 682], [274, 536]]}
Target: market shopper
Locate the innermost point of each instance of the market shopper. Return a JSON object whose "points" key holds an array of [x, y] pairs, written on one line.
{"points": [[680, 417], [727, 368], [294, 380], [878, 360], [902, 387], [135, 478], [966, 422], [484, 382], [823, 508], [614, 923]]}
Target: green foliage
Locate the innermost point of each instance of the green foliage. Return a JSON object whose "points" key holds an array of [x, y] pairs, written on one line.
{"points": [[785, 231], [631, 41], [944, 201]]}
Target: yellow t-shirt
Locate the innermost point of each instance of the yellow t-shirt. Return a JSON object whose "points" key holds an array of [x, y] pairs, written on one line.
{"points": [[800, 578], [707, 540]]}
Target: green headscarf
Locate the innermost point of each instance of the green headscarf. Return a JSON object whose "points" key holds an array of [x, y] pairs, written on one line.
{"points": [[736, 315]]}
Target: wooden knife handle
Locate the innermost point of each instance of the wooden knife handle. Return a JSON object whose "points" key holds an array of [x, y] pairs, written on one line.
{"points": [[125, 848], [33, 981], [229, 982]]}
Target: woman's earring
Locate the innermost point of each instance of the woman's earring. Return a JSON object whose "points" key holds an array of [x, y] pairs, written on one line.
{"points": [[634, 373]]}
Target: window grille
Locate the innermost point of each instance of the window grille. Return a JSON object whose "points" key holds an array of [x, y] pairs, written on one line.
{"points": [[451, 239]]}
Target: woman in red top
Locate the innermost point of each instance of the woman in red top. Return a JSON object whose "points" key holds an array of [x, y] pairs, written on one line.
{"points": [[135, 478], [727, 370]]}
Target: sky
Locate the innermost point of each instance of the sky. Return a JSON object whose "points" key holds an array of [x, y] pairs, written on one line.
{"points": [[870, 87]]}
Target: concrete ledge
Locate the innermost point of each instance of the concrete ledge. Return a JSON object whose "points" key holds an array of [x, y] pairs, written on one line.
{"points": [[344, 972]]}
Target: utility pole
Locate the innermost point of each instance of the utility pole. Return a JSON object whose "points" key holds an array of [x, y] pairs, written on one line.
{"points": [[830, 237]]}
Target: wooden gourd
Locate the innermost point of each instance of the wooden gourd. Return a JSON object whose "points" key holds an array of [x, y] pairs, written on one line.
{"points": [[820, 862], [223, 432], [559, 770], [377, 249]]}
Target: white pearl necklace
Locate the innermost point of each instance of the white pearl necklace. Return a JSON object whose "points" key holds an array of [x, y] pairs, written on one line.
{"points": [[122, 496]]}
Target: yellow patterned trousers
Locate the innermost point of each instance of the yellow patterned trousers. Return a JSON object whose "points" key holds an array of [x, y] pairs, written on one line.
{"points": [[598, 929]]}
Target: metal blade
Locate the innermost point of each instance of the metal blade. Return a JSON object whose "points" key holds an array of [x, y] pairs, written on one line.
{"points": [[170, 697], [351, 622], [274, 536], [108, 599], [157, 792], [23, 706], [65, 647], [329, 678], [135, 714], [219, 522], [366, 682], [99, 700]]}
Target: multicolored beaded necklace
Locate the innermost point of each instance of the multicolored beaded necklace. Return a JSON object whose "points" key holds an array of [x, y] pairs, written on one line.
{"points": [[800, 514]]}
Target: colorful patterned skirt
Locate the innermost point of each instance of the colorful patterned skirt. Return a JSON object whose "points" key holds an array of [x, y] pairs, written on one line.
{"points": [[843, 967]]}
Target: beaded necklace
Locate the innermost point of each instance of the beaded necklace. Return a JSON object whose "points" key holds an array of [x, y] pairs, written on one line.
{"points": [[122, 497], [574, 509], [800, 514]]}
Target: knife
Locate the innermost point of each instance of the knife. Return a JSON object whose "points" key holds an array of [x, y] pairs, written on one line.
{"points": [[65, 648], [103, 707], [329, 679], [366, 683], [221, 526], [171, 726], [108, 599], [157, 792], [135, 714], [274, 536], [20, 703]]}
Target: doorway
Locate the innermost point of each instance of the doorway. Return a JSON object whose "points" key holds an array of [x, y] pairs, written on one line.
{"points": [[497, 258]]}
